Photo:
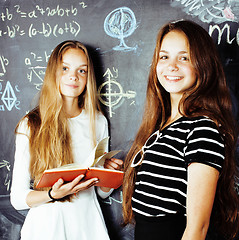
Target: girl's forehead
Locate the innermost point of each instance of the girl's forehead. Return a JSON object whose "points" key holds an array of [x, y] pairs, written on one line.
{"points": [[73, 51], [175, 41], [75, 56]]}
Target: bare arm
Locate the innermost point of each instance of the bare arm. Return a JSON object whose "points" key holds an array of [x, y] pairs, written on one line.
{"points": [[202, 184], [59, 190]]}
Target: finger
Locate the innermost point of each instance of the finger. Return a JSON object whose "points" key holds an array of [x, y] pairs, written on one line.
{"points": [[117, 161], [90, 181], [70, 185], [56, 189], [96, 180], [58, 184], [111, 164], [85, 184], [77, 180]]}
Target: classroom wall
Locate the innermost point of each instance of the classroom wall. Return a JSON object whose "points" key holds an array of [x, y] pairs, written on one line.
{"points": [[120, 35]]}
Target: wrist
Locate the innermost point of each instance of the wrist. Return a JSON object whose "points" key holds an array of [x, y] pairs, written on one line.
{"points": [[52, 197]]}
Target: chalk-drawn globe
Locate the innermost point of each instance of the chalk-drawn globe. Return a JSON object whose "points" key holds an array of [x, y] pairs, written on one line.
{"points": [[120, 23]]}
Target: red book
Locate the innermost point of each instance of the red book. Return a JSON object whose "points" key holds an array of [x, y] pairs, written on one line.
{"points": [[107, 177]]}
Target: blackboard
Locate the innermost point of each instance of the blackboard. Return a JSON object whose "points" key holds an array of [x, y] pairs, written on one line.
{"points": [[120, 35]]}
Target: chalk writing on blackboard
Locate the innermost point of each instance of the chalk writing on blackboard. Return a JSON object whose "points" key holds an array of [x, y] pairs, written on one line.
{"points": [[111, 199], [83, 5], [9, 98], [36, 71], [218, 11], [7, 181], [213, 29], [1, 106], [37, 58], [111, 93], [56, 30], [6, 16], [3, 63], [45, 30], [121, 23], [40, 11], [14, 27]]}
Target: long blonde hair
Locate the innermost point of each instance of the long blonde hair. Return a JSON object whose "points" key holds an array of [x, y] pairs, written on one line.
{"points": [[49, 140], [210, 97]]}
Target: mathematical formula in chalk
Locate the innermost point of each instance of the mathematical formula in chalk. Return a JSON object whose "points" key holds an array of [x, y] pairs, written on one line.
{"points": [[19, 22]]}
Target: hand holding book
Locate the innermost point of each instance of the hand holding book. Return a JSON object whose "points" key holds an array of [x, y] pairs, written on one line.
{"points": [[110, 178], [60, 189]]}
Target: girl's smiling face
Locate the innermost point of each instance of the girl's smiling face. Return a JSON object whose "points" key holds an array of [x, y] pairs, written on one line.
{"points": [[73, 73], [175, 71]]}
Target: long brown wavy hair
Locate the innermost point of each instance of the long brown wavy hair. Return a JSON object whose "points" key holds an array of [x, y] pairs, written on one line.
{"points": [[210, 97], [49, 140]]}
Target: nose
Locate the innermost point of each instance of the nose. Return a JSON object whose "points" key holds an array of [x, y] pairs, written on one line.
{"points": [[73, 77], [172, 66]]}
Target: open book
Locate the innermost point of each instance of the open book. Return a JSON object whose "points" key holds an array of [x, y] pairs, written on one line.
{"points": [[107, 177]]}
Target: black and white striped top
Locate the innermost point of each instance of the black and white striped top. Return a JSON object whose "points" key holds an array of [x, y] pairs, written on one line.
{"points": [[161, 181]]}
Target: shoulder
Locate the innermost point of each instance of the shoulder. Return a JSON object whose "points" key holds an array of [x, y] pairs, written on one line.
{"points": [[191, 124], [198, 123], [101, 126], [205, 144], [101, 119], [29, 121], [22, 127], [204, 124], [202, 127]]}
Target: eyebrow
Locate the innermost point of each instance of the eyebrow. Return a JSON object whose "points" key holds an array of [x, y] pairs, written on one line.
{"points": [[82, 65], [181, 52]]}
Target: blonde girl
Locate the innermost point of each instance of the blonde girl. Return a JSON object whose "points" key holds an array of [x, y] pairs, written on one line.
{"points": [[62, 129]]}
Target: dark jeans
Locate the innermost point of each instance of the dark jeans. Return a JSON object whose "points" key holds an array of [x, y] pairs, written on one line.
{"points": [[165, 228]]}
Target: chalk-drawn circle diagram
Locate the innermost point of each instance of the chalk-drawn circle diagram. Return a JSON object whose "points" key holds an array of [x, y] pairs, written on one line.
{"points": [[120, 23], [107, 96], [111, 94]]}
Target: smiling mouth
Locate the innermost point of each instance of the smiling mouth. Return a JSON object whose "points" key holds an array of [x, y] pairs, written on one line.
{"points": [[173, 78], [72, 86]]}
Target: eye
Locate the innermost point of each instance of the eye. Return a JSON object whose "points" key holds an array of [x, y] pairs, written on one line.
{"points": [[82, 71], [163, 57], [184, 58], [64, 68]]}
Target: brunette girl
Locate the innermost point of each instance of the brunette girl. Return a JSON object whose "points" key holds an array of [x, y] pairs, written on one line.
{"points": [[180, 171]]}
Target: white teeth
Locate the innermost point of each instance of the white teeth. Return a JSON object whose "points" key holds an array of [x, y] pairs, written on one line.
{"points": [[173, 78]]}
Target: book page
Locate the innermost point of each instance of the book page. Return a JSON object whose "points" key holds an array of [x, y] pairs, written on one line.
{"points": [[100, 150], [70, 166], [108, 155], [96, 157]]}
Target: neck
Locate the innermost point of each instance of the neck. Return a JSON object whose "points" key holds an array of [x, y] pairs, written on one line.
{"points": [[175, 114], [175, 99], [71, 108]]}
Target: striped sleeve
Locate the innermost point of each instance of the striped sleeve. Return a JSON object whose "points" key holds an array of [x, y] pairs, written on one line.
{"points": [[205, 144]]}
